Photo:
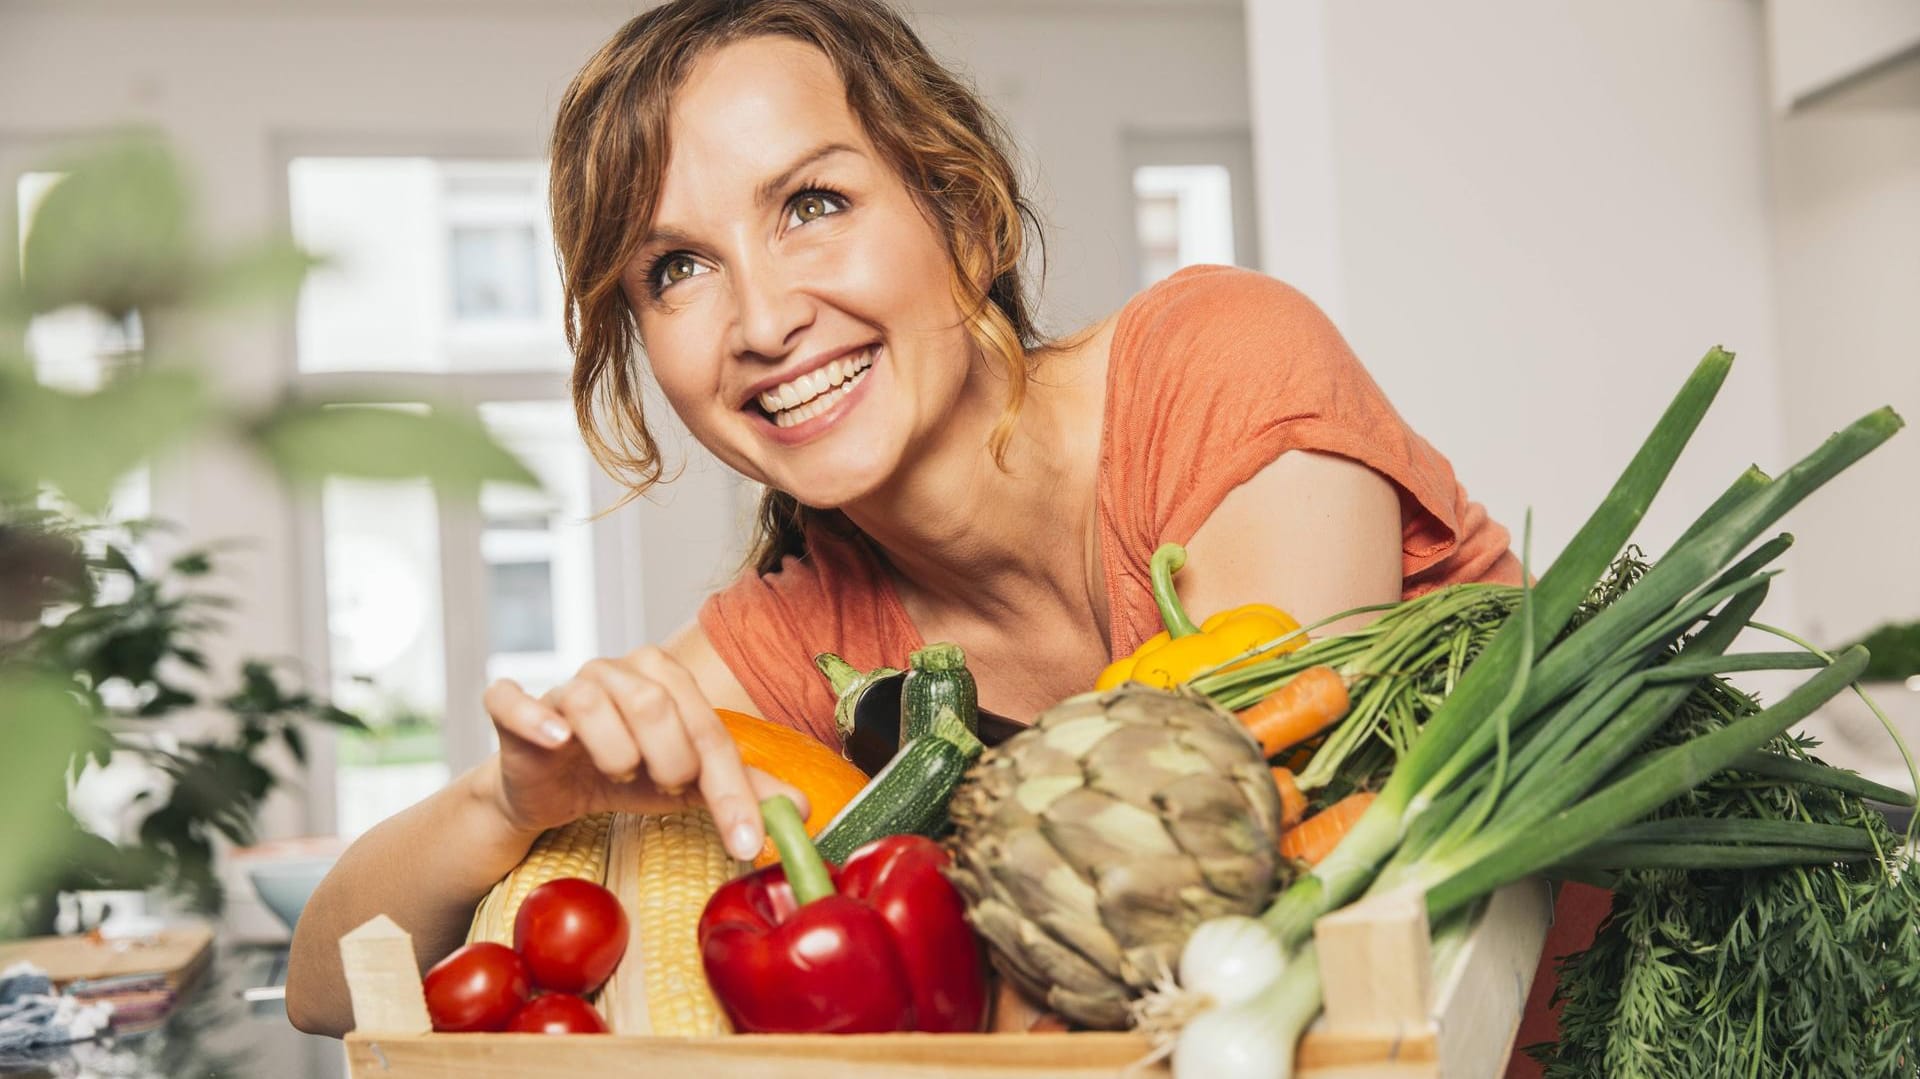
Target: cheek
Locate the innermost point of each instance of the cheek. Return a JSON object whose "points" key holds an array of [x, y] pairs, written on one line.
{"points": [[897, 266], [683, 369]]}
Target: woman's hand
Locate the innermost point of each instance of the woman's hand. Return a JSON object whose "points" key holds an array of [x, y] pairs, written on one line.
{"points": [[633, 734]]}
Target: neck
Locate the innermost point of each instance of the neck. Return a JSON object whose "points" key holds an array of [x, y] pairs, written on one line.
{"points": [[969, 535]]}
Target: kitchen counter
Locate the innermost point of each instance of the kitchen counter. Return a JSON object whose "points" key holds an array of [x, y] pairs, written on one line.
{"points": [[212, 1033]]}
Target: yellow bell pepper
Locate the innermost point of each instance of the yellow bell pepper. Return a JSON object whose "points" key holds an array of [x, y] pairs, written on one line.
{"points": [[1183, 649]]}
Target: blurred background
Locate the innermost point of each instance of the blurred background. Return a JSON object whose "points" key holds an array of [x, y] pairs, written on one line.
{"points": [[1529, 219]]}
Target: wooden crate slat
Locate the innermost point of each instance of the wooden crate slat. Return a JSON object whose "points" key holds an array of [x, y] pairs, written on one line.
{"points": [[383, 979], [914, 1056], [1483, 995], [1356, 943], [867, 1056]]}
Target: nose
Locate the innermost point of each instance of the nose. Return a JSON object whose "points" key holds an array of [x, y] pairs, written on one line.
{"points": [[770, 309]]}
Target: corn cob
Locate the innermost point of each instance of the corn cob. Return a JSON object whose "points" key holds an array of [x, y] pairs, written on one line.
{"points": [[571, 850], [664, 867]]}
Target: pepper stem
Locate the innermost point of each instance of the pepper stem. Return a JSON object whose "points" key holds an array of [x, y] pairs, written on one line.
{"points": [[806, 872], [1167, 560]]}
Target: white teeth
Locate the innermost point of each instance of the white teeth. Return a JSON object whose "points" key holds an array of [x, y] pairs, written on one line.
{"points": [[792, 416], [800, 399]]}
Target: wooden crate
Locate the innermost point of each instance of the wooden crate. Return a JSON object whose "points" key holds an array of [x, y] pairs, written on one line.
{"points": [[1456, 1023]]}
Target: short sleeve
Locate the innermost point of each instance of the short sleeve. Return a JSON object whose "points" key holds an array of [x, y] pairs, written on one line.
{"points": [[1224, 370]]}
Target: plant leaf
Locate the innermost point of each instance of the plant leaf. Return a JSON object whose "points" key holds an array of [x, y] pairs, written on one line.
{"points": [[310, 442], [268, 272], [43, 725], [83, 443], [296, 742], [115, 233]]}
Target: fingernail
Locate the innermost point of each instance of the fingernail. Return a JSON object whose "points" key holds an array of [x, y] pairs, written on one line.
{"points": [[555, 732], [743, 842]]}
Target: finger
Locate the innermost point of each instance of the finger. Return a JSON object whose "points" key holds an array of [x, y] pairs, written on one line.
{"points": [[723, 777], [653, 718], [516, 712], [597, 724], [765, 786]]}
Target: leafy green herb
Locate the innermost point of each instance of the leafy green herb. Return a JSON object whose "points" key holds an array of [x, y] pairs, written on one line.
{"points": [[1783, 971]]}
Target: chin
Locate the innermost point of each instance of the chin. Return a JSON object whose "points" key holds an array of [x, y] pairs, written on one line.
{"points": [[836, 477]]}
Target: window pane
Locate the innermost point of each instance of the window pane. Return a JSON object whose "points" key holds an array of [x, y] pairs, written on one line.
{"points": [[432, 265], [1183, 215], [538, 548], [520, 602], [386, 646], [493, 272]]}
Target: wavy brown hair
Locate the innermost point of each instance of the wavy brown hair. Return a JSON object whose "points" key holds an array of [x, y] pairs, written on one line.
{"points": [[609, 152]]}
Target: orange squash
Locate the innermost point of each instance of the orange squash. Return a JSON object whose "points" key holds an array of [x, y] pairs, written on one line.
{"points": [[829, 780]]}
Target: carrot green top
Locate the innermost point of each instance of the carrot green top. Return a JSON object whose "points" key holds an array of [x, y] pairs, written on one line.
{"points": [[1213, 374]]}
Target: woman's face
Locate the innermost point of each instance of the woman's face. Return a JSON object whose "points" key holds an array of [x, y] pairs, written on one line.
{"points": [[794, 302]]}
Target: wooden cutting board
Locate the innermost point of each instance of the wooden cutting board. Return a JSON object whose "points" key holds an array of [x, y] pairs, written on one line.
{"points": [[177, 953]]}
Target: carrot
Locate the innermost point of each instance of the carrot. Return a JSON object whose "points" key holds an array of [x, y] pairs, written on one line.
{"points": [[1314, 838], [1293, 804], [1314, 700]]}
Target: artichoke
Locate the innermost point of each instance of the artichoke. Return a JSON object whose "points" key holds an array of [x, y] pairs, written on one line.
{"points": [[1091, 844]]}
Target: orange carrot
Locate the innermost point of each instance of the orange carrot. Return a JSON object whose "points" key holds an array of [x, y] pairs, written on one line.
{"points": [[1293, 804], [1314, 838], [1312, 702]]}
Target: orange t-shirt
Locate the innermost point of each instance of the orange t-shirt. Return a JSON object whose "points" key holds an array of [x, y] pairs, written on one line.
{"points": [[1213, 374]]}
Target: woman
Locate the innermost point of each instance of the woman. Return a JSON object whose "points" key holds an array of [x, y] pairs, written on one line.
{"points": [[813, 235]]}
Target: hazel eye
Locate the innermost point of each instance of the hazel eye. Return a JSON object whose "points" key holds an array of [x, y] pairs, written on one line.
{"points": [[812, 206], [676, 268]]}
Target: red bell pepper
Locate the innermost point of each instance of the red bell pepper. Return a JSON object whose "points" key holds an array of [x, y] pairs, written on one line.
{"points": [[890, 949]]}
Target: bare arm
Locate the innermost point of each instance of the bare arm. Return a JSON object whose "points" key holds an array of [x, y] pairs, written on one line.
{"points": [[426, 868], [620, 735], [1312, 533]]}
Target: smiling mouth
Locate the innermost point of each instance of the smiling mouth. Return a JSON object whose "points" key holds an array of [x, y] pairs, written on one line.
{"points": [[801, 399]]}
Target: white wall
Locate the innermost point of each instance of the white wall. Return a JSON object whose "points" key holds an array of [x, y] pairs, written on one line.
{"points": [[1071, 83], [1847, 213], [1817, 44], [1544, 214]]}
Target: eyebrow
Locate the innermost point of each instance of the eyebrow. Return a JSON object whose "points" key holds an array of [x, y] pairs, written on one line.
{"points": [[762, 195]]}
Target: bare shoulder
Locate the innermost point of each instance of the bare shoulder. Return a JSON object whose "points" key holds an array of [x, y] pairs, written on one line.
{"points": [[716, 680]]}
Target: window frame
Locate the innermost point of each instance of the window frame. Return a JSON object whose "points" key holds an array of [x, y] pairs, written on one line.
{"points": [[616, 538], [1231, 147]]}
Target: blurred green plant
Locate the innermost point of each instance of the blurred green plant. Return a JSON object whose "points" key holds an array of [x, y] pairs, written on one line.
{"points": [[1895, 649], [124, 653], [98, 658]]}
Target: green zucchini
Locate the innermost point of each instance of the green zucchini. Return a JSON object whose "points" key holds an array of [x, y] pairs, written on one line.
{"points": [[909, 795], [937, 678]]}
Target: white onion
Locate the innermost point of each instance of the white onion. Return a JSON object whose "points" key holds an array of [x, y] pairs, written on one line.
{"points": [[1232, 1043], [1229, 959]]}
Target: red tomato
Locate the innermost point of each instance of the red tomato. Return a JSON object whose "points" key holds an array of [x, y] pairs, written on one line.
{"points": [[571, 933], [557, 1013], [478, 987]]}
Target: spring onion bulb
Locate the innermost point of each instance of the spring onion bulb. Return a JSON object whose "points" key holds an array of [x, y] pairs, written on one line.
{"points": [[1228, 960], [1240, 1041]]}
